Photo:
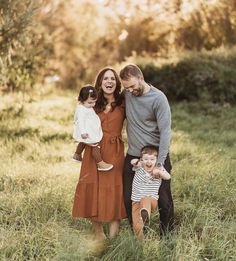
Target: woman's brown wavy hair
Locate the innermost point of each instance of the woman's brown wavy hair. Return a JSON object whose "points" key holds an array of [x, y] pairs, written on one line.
{"points": [[102, 101]]}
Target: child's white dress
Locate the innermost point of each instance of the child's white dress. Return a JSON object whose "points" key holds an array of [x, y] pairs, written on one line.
{"points": [[87, 121]]}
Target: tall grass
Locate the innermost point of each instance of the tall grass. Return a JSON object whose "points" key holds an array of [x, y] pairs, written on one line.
{"points": [[38, 179]]}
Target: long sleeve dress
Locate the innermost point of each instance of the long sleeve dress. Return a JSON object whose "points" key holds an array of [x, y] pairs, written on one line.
{"points": [[99, 194]]}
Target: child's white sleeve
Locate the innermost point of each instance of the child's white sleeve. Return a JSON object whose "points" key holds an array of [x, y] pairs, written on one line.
{"points": [[79, 118]]}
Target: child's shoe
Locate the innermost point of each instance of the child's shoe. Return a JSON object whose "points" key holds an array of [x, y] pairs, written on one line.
{"points": [[103, 166], [145, 218], [77, 157]]}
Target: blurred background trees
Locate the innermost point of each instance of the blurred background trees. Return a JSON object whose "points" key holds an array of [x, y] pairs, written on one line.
{"points": [[21, 55], [69, 41]]}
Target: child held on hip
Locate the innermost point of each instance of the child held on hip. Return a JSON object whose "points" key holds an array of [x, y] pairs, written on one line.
{"points": [[87, 127]]}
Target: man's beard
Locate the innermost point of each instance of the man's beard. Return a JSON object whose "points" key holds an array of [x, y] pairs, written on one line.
{"points": [[138, 92]]}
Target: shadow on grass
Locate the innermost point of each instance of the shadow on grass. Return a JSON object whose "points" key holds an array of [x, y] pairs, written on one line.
{"points": [[11, 134], [12, 112], [7, 133]]}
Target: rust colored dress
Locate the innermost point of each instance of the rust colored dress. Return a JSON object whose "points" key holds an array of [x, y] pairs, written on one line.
{"points": [[99, 194]]}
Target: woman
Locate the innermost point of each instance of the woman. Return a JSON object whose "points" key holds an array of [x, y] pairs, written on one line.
{"points": [[99, 195]]}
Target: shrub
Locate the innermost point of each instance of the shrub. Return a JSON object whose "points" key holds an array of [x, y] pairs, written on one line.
{"points": [[206, 75]]}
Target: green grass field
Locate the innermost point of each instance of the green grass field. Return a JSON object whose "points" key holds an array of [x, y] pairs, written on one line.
{"points": [[38, 179]]}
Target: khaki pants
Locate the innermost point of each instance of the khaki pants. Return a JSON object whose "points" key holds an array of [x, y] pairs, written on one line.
{"points": [[150, 204]]}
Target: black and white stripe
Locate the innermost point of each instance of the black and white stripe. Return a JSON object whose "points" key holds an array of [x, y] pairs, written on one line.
{"points": [[144, 185]]}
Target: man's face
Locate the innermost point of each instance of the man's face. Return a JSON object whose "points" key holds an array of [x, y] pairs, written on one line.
{"points": [[133, 85]]}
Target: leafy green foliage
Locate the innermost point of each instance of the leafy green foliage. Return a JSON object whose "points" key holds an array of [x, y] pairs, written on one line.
{"points": [[16, 17], [208, 76], [22, 55], [72, 40]]}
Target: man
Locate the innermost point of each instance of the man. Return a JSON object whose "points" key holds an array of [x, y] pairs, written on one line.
{"points": [[148, 123]]}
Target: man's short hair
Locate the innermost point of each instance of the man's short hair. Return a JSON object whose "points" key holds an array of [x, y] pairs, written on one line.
{"points": [[129, 71]]}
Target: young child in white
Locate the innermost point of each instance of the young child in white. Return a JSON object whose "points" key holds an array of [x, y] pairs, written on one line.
{"points": [[87, 127], [145, 188]]}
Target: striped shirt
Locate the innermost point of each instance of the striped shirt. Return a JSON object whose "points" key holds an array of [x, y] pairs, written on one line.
{"points": [[144, 185]]}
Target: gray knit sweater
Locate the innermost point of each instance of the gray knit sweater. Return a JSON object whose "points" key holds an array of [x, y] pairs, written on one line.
{"points": [[148, 122]]}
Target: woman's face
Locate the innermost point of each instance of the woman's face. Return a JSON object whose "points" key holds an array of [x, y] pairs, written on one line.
{"points": [[108, 82]]}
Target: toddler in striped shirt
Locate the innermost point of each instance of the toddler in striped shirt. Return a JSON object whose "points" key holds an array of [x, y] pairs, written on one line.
{"points": [[145, 188]]}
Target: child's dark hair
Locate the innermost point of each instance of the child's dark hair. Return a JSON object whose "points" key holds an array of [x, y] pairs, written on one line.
{"points": [[149, 149], [88, 91]]}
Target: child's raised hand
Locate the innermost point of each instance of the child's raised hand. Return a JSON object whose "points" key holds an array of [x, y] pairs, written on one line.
{"points": [[84, 135], [160, 172], [135, 162]]}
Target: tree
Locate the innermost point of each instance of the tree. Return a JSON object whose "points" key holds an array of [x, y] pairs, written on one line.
{"points": [[19, 45]]}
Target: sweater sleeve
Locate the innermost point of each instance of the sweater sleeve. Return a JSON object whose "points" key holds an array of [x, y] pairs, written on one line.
{"points": [[163, 116], [80, 117]]}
